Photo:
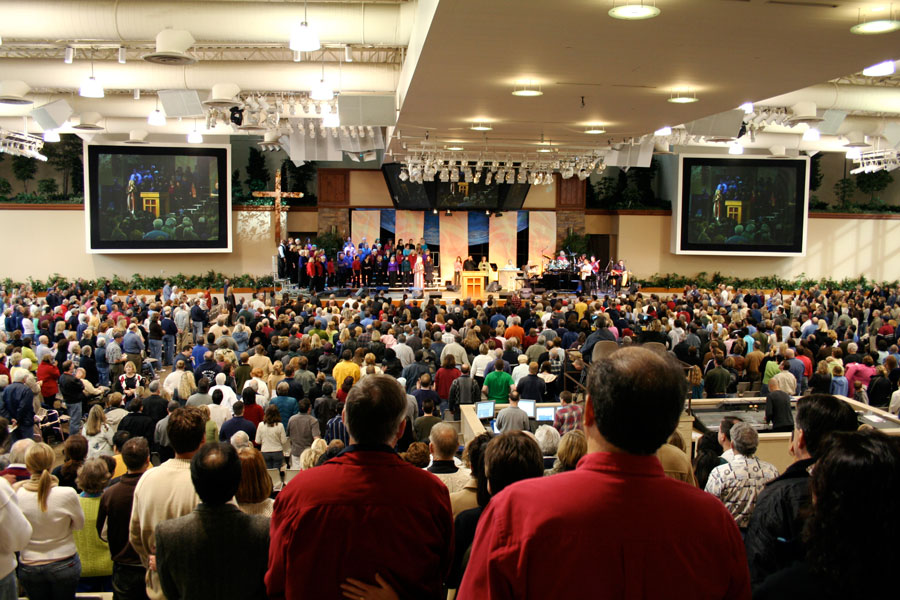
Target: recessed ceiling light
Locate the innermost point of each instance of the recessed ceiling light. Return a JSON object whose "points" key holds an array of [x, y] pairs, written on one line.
{"points": [[882, 69], [663, 131], [455, 148], [876, 27], [545, 149], [595, 129], [528, 89], [683, 97], [481, 127], [635, 11]]}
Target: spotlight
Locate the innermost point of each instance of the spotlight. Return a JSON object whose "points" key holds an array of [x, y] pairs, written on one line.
{"points": [[487, 212], [51, 135], [852, 153], [298, 56], [237, 116], [811, 135], [137, 93], [348, 54], [69, 55], [634, 12], [122, 55], [448, 213], [321, 90], [488, 177], [735, 148], [331, 120], [747, 107], [404, 175], [434, 211], [663, 131]]}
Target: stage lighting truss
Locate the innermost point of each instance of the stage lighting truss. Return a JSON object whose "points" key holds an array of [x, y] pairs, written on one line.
{"points": [[265, 111], [426, 167], [876, 160], [21, 144]]}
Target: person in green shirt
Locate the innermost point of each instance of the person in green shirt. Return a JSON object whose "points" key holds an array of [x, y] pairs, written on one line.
{"points": [[498, 383]]}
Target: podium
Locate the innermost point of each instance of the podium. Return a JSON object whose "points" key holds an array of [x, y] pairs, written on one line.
{"points": [[473, 284]]}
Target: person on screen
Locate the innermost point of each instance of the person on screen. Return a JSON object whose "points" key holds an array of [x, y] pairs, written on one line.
{"points": [[157, 233], [738, 237]]}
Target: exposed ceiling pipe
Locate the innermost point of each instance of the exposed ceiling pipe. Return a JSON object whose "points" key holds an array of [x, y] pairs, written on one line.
{"points": [[842, 97], [249, 22], [249, 76]]}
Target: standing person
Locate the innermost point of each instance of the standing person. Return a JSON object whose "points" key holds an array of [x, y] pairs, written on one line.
{"points": [[457, 272], [18, 402], [15, 533], [271, 438], [393, 520], [96, 562], [72, 390], [774, 535], [215, 530], [113, 521], [49, 566], [303, 429], [626, 503], [166, 492], [419, 274]]}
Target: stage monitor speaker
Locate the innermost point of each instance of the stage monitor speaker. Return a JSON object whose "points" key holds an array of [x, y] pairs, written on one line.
{"points": [[362, 292], [416, 293], [52, 115], [493, 287], [343, 292], [435, 295], [452, 288]]}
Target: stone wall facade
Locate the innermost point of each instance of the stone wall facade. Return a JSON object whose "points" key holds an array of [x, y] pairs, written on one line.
{"points": [[338, 218]]}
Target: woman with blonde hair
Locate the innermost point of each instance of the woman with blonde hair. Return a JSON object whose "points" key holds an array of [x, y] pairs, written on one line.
{"points": [[262, 390], [571, 448], [96, 563], [49, 567], [253, 493], [272, 439], [310, 456], [98, 433], [211, 435], [187, 387], [276, 376], [695, 380]]}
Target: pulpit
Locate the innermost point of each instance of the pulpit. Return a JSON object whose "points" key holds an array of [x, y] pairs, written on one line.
{"points": [[473, 284]]}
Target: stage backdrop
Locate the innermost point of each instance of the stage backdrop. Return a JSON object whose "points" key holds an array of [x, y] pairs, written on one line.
{"points": [[365, 224], [452, 235]]}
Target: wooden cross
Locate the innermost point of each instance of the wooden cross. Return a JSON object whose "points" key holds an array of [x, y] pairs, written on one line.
{"points": [[278, 195]]}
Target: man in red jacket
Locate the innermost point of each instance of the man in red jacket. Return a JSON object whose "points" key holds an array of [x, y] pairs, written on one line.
{"points": [[638, 533], [364, 513]]}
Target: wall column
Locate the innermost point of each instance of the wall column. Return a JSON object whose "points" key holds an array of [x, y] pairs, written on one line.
{"points": [[570, 203]]}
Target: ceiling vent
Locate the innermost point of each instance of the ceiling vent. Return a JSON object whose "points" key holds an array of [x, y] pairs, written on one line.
{"points": [[13, 92], [137, 136], [223, 95], [89, 122], [171, 48], [804, 112]]}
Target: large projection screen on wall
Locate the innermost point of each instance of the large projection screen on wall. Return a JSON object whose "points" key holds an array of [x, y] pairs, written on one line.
{"points": [[157, 199], [741, 206]]}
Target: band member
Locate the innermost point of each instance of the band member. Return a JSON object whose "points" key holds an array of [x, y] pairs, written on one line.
{"points": [[562, 260], [586, 270], [616, 274]]}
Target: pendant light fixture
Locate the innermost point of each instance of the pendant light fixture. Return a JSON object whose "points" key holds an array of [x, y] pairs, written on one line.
{"points": [[157, 118], [321, 90], [303, 37], [91, 88]]}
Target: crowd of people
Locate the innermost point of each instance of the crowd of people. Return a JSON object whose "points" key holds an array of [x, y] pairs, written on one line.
{"points": [[182, 410]]}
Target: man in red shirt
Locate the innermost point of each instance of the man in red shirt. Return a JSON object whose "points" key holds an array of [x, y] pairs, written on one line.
{"points": [[640, 533], [364, 513]]}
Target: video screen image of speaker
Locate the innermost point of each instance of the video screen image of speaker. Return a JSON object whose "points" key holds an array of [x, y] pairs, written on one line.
{"points": [[158, 199]]}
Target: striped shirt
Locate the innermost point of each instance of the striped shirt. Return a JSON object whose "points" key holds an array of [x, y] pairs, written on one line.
{"points": [[335, 430]]}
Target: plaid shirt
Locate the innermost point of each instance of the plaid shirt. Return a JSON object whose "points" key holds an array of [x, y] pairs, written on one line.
{"points": [[568, 418]]}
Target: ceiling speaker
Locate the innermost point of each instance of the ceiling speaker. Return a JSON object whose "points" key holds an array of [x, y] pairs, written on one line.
{"points": [[53, 115], [181, 103]]}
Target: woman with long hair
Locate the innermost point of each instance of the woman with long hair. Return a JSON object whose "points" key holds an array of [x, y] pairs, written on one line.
{"points": [[275, 377], [272, 439], [457, 271], [254, 492], [187, 387], [49, 567], [695, 380], [856, 474], [75, 451], [98, 433]]}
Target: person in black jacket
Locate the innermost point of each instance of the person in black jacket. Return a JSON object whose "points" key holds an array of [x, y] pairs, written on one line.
{"points": [[773, 539], [137, 423]]}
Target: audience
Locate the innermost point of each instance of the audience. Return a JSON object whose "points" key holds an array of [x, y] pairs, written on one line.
{"points": [[443, 442], [96, 561]]}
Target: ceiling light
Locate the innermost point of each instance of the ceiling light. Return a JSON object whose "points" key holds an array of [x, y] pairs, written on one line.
{"points": [[487, 212], [811, 135], [122, 55], [481, 127], [747, 107], [51, 135], [852, 154], [527, 89], [303, 37], [545, 149], [448, 213], [298, 56], [683, 97], [876, 26], [348, 54], [663, 131], [434, 211], [882, 69], [634, 11], [91, 88], [69, 55], [595, 129], [735, 148], [455, 148], [195, 137], [157, 118], [404, 175]]}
